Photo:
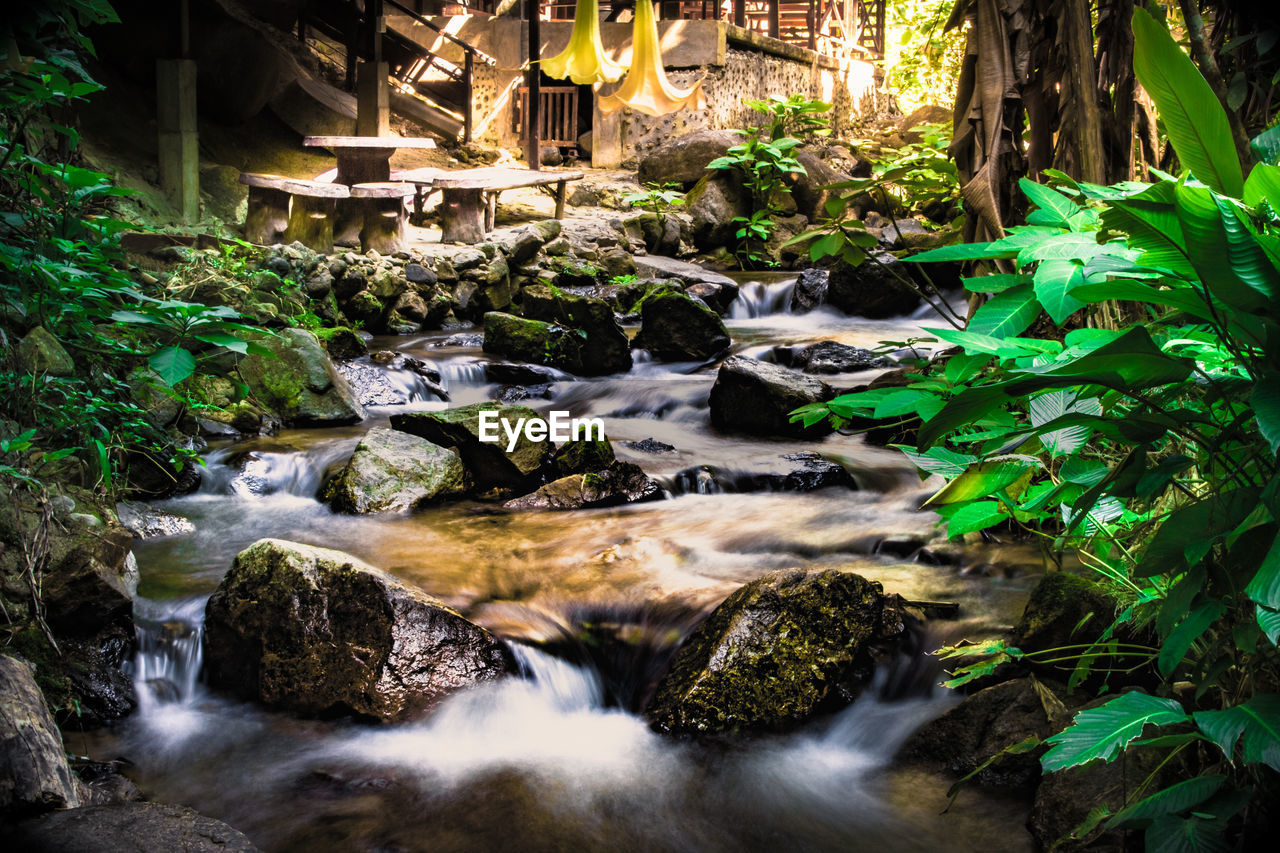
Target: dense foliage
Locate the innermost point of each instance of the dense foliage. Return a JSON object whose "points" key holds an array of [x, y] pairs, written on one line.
{"points": [[1148, 449]]}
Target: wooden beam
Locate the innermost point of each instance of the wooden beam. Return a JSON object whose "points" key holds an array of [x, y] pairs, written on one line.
{"points": [[774, 29], [740, 13], [533, 82]]}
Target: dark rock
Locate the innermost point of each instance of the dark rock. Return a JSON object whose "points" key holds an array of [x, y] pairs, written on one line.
{"points": [[299, 382], [810, 290], [491, 466], [132, 827], [533, 341], [718, 296], [620, 483], [757, 397], [605, 348], [462, 339], [676, 327], [34, 774], [796, 472], [344, 344], [776, 652], [583, 455], [831, 357], [713, 203], [987, 722], [872, 289], [1063, 609], [684, 160], [650, 445], [659, 266], [416, 273], [808, 188], [392, 470], [512, 394], [508, 373], [925, 114], [1064, 799], [146, 522], [42, 354], [319, 632]]}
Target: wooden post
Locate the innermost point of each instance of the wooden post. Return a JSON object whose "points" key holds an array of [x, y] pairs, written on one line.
{"points": [[469, 86], [740, 12], [311, 223], [562, 191], [268, 216], [373, 100], [462, 215], [811, 18], [773, 18], [533, 82], [178, 140]]}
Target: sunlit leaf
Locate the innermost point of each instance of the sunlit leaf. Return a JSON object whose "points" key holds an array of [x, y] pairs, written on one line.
{"points": [[1103, 731]]}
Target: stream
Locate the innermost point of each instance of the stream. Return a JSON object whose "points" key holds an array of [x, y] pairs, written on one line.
{"points": [[560, 758]]}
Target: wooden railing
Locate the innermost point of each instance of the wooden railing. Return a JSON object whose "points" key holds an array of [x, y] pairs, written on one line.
{"points": [[557, 114]]}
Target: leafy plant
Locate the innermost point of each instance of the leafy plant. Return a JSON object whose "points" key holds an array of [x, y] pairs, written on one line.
{"points": [[656, 198], [794, 116], [1148, 450], [762, 164]]}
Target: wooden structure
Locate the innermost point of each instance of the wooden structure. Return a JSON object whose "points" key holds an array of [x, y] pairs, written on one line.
{"points": [[469, 198], [383, 214], [282, 210], [557, 116]]}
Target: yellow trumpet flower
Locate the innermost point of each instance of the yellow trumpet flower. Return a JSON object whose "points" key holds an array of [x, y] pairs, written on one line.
{"points": [[647, 89], [583, 61]]}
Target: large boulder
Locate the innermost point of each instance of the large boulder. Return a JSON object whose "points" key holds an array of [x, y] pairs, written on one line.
{"points": [[713, 203], [43, 354], [319, 632], [132, 827], [875, 288], [492, 466], [805, 471], [605, 348], [684, 160], [830, 357], [534, 341], [677, 327], [620, 483], [393, 470], [809, 188], [776, 652], [299, 382], [34, 774], [810, 290], [758, 397]]}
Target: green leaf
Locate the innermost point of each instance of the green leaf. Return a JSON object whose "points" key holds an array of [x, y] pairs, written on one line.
{"points": [[978, 515], [1188, 631], [938, 460], [1045, 408], [222, 339], [1263, 184], [1171, 834], [1129, 362], [1006, 314], [1225, 256], [962, 409], [1072, 245], [1103, 731], [1192, 116], [996, 282], [1269, 622], [973, 342], [1172, 800], [961, 368], [1182, 298], [173, 364], [1257, 720], [1264, 588], [1192, 529], [980, 480], [1265, 401], [1052, 202], [1266, 146]]}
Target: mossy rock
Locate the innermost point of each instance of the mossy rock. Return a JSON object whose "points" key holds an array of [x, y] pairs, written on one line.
{"points": [[319, 632], [1064, 609], [492, 467], [533, 341], [619, 483], [605, 348], [776, 652], [677, 327], [393, 470], [584, 455], [298, 382], [757, 397], [42, 354]]}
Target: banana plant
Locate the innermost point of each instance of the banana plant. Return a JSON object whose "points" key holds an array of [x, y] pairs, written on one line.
{"points": [[647, 89], [583, 61]]}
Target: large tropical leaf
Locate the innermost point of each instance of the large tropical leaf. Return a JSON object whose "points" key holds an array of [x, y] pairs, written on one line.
{"points": [[1269, 622], [980, 480], [1183, 298], [1056, 208], [1257, 721], [1264, 588], [1187, 632], [173, 364], [1265, 401], [1210, 251], [1173, 834], [1103, 731], [1262, 185], [1192, 116], [1188, 533], [1045, 408], [1172, 800], [1054, 282], [1266, 146], [971, 517], [1129, 362], [1006, 314]]}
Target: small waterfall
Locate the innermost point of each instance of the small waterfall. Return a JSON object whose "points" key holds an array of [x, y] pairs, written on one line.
{"points": [[461, 371], [762, 298], [258, 473], [700, 480], [166, 666], [570, 687]]}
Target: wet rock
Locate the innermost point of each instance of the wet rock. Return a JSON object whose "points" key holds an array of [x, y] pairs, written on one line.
{"points": [[757, 397], [371, 385], [34, 774], [584, 455], [462, 339], [620, 483], [796, 472], [512, 394], [146, 522], [776, 652], [830, 357], [533, 341], [299, 382], [519, 244], [344, 344], [650, 445], [134, 827], [319, 632], [987, 722], [662, 267], [676, 327], [873, 289], [507, 373], [392, 470], [491, 466], [157, 400], [1064, 799], [684, 160], [42, 354], [810, 290], [416, 273], [719, 297], [605, 348], [1063, 609], [89, 578]]}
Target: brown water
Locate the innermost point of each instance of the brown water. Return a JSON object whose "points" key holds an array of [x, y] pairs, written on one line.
{"points": [[559, 759]]}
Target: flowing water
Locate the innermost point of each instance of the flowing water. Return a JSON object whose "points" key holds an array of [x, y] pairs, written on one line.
{"points": [[559, 758]]}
